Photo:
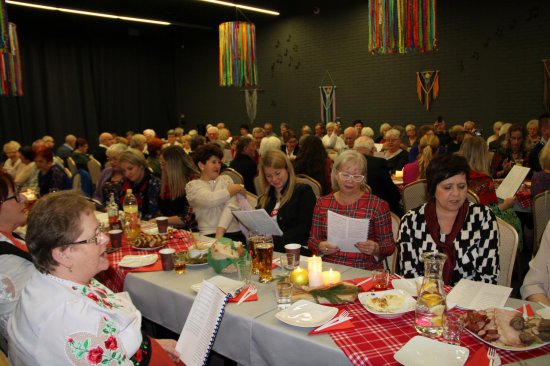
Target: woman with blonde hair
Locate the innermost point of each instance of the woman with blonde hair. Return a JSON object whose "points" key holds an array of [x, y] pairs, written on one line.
{"points": [[541, 180], [12, 165], [429, 145], [286, 201], [331, 140]]}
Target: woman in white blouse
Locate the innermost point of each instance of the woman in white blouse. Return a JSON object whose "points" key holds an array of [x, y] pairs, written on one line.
{"points": [[536, 285], [66, 317], [212, 196]]}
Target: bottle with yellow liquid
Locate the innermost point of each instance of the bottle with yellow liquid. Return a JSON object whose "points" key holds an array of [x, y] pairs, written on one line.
{"points": [[131, 217], [431, 305]]}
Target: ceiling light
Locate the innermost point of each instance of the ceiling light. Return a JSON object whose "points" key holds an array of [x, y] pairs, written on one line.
{"points": [[88, 13], [239, 6]]}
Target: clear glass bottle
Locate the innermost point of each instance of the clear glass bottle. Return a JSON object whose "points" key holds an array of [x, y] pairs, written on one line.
{"points": [[131, 217], [431, 304], [112, 212]]}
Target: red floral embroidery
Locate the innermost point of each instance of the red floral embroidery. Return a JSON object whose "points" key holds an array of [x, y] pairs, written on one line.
{"points": [[92, 296], [70, 340], [138, 357], [111, 343], [95, 355], [107, 304]]}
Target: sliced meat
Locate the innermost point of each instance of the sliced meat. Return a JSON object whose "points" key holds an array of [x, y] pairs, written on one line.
{"points": [[508, 335]]}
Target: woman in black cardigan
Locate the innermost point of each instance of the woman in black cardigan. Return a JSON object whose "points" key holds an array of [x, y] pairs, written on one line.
{"points": [[289, 203]]}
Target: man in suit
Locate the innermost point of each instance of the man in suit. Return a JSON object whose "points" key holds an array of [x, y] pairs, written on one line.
{"points": [[244, 162], [378, 175], [105, 140], [66, 150]]}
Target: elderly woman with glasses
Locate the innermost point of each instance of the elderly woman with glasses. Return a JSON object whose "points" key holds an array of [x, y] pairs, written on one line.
{"points": [[66, 317], [351, 199], [111, 177]]}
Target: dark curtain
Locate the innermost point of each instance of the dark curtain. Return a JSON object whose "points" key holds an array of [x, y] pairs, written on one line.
{"points": [[84, 80]]}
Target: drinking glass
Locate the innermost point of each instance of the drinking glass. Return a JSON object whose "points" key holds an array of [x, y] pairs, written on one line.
{"points": [[253, 238], [264, 252], [244, 266], [283, 291], [180, 259], [380, 279], [453, 326]]}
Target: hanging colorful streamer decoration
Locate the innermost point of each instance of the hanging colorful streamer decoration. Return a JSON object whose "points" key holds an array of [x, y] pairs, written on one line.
{"points": [[328, 103], [11, 83], [238, 54], [427, 87], [402, 26]]}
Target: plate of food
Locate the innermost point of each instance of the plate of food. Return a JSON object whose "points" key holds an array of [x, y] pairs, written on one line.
{"points": [[149, 242], [387, 304], [306, 314], [507, 329], [201, 260]]}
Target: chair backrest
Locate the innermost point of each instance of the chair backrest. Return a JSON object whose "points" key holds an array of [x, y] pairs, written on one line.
{"points": [[83, 181], [76, 181], [390, 262], [94, 167], [234, 175], [68, 172], [257, 184], [72, 165], [472, 196], [3, 359], [541, 215], [508, 248], [252, 199], [414, 194], [306, 179]]}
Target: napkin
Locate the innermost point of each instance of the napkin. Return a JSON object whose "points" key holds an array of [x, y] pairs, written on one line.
{"points": [[529, 309], [241, 294], [342, 326], [367, 286], [479, 358]]}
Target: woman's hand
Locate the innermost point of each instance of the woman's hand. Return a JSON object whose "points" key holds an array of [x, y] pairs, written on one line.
{"points": [[368, 247], [507, 203], [169, 345], [236, 188], [326, 248]]}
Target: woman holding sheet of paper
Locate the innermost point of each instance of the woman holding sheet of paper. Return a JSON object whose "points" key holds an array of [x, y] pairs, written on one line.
{"points": [[352, 200], [466, 232], [66, 317], [289, 203], [513, 151]]}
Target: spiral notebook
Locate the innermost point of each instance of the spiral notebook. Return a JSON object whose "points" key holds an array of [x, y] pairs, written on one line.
{"points": [[200, 328]]}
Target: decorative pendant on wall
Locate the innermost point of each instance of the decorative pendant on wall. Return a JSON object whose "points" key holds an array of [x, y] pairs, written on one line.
{"points": [[400, 26], [11, 83], [427, 87], [546, 63], [238, 54], [328, 99], [251, 101]]}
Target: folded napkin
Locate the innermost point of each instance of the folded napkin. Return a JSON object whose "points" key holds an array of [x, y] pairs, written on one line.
{"points": [[528, 309], [241, 294], [479, 358], [367, 286], [334, 328], [157, 266]]}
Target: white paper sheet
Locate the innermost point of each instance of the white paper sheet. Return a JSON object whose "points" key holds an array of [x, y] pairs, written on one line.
{"points": [[474, 295], [512, 182], [346, 231], [259, 221]]}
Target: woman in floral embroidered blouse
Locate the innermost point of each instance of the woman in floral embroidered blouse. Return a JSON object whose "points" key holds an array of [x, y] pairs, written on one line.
{"points": [[352, 200], [65, 317]]}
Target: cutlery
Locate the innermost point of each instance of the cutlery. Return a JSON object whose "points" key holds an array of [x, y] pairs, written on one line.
{"points": [[492, 356], [344, 316], [251, 290], [525, 312], [364, 281]]}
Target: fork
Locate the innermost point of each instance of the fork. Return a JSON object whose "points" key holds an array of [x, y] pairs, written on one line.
{"points": [[251, 290], [334, 321], [492, 356]]}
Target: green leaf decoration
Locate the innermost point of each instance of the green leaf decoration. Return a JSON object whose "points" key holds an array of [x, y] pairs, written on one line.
{"points": [[333, 294]]}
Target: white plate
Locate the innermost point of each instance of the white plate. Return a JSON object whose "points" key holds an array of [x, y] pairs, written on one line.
{"points": [[147, 249], [306, 314], [155, 230], [197, 264], [227, 285], [423, 351], [409, 285], [136, 261], [408, 304], [509, 348]]}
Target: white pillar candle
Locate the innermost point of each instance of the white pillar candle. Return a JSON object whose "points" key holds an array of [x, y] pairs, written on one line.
{"points": [[331, 277], [314, 264], [315, 279]]}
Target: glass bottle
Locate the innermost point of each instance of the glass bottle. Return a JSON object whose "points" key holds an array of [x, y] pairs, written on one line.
{"points": [[112, 212], [131, 217], [431, 304]]}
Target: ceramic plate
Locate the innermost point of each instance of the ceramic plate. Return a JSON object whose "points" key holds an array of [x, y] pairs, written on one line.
{"points": [[408, 304], [154, 230], [423, 351], [306, 314], [136, 261], [409, 285], [147, 249], [225, 284]]}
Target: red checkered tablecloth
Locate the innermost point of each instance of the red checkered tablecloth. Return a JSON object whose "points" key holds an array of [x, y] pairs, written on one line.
{"points": [[114, 276], [373, 341]]}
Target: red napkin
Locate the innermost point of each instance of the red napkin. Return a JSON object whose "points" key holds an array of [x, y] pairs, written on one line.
{"points": [[157, 266], [241, 294], [479, 358], [367, 286], [342, 326], [528, 308]]}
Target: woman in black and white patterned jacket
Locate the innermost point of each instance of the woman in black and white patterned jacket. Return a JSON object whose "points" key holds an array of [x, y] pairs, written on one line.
{"points": [[467, 233]]}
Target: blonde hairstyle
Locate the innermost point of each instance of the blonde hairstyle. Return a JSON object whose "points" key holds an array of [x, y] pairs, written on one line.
{"points": [[133, 157], [409, 127], [455, 131], [544, 157], [330, 125], [497, 125], [476, 151], [276, 159], [180, 169], [115, 150], [367, 131], [394, 132], [533, 122], [223, 134], [11, 145], [384, 126], [348, 157], [427, 149]]}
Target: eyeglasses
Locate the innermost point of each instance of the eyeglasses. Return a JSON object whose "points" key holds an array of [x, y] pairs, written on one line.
{"points": [[16, 197], [347, 177], [93, 240]]}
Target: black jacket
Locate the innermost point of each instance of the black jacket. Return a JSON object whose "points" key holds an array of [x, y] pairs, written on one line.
{"points": [[379, 180], [247, 167]]}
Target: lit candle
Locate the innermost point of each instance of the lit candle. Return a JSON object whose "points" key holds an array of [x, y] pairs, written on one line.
{"points": [[331, 277], [315, 279], [315, 264]]}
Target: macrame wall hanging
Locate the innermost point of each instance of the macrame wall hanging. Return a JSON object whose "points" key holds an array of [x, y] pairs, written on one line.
{"points": [[402, 26], [328, 99], [238, 54], [427, 87], [11, 83], [546, 63]]}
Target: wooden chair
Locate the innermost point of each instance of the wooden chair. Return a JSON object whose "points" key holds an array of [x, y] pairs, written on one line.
{"points": [[390, 262], [76, 178], [72, 165], [472, 196], [541, 215], [94, 167], [4, 359], [68, 172], [306, 179], [414, 194], [508, 239], [234, 175]]}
